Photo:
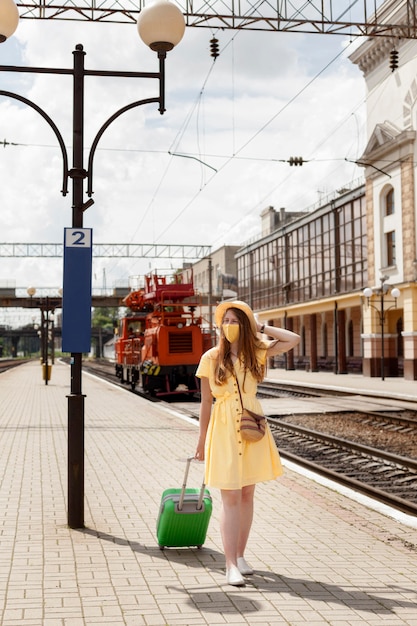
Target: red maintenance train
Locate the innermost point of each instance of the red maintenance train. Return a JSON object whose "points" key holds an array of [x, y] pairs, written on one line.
{"points": [[159, 345]]}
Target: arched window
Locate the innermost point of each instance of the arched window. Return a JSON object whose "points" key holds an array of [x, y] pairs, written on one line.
{"points": [[388, 226], [389, 205]]}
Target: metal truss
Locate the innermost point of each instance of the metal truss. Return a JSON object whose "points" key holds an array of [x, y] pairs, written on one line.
{"points": [[109, 250], [370, 18]]}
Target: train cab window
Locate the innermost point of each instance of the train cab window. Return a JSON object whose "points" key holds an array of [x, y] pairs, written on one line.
{"points": [[135, 327]]}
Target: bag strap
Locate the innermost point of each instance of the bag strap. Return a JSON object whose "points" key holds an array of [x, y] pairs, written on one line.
{"points": [[238, 388], [257, 417]]}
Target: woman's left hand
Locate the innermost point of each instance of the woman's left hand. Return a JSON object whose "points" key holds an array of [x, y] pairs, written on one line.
{"points": [[199, 453]]}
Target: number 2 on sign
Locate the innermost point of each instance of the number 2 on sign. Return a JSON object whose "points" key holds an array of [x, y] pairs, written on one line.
{"points": [[78, 237]]}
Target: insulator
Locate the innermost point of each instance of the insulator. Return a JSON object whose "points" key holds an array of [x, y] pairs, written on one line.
{"points": [[393, 60], [295, 160], [214, 48]]}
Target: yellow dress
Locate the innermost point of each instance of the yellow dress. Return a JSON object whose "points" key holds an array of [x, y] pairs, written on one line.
{"points": [[230, 462]]}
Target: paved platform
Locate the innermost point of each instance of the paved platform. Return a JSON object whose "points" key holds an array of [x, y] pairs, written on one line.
{"points": [[320, 557]]}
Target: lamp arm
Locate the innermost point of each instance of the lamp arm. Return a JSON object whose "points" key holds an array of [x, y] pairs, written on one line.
{"points": [[100, 133], [375, 309], [52, 124], [381, 314]]}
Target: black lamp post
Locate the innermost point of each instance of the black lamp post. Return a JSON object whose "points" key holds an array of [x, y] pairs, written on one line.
{"points": [[161, 26], [46, 332], [382, 293]]}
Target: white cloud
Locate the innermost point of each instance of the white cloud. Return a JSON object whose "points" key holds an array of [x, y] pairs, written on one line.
{"points": [[254, 107]]}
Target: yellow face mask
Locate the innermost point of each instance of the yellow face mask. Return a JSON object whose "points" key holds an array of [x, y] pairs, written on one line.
{"points": [[231, 332]]}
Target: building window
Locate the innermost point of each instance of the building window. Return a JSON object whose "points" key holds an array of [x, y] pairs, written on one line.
{"points": [[324, 253], [389, 202], [390, 248]]}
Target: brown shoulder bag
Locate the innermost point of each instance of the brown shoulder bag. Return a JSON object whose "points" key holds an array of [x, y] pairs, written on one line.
{"points": [[252, 425]]}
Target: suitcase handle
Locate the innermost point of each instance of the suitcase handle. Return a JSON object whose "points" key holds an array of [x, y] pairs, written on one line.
{"points": [[184, 485]]}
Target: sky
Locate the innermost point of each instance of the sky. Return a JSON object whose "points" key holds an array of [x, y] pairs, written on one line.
{"points": [[267, 97]]}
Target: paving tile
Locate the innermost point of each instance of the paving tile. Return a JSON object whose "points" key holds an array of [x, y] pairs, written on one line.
{"points": [[320, 558]]}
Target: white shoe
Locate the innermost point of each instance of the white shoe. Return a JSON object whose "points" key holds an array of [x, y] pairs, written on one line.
{"points": [[244, 568], [234, 577]]}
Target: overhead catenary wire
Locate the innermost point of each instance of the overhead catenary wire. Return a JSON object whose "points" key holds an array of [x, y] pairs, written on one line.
{"points": [[237, 155], [247, 143], [193, 178]]}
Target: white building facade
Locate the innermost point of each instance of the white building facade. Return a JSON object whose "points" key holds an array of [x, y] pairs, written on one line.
{"points": [[390, 70]]}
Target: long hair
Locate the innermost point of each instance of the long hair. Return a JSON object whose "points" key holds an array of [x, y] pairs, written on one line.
{"points": [[248, 343]]}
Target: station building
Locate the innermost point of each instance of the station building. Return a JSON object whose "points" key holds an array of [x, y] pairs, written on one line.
{"points": [[308, 271], [307, 274], [389, 67]]}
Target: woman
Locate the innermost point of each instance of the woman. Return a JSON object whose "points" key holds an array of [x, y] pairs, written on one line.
{"points": [[234, 466]]}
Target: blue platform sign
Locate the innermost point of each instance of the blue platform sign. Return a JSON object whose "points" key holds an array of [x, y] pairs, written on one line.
{"points": [[76, 299]]}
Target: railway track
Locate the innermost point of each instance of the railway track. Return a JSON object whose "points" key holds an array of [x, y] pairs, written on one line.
{"points": [[387, 477], [7, 364], [402, 419], [374, 471], [275, 390]]}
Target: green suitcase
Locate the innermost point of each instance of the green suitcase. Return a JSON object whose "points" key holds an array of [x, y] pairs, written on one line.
{"points": [[184, 515]]}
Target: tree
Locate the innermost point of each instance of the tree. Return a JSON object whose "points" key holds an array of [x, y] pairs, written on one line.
{"points": [[104, 317]]}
